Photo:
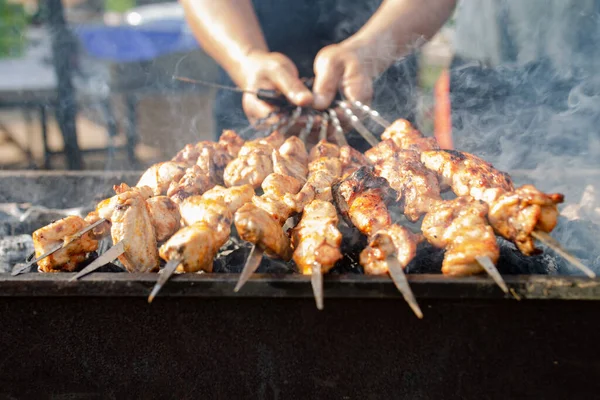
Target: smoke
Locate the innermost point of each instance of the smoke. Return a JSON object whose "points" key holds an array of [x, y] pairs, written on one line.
{"points": [[541, 125]]}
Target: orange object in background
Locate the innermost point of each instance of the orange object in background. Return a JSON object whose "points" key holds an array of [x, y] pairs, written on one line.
{"points": [[442, 111]]}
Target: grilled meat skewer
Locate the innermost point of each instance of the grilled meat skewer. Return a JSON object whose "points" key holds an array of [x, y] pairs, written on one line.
{"points": [[261, 222], [514, 213], [131, 225], [254, 161], [62, 231], [317, 242], [209, 218], [362, 200], [469, 241]]}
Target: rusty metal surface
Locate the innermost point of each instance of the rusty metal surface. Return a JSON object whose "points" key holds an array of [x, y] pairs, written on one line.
{"points": [[425, 286]]}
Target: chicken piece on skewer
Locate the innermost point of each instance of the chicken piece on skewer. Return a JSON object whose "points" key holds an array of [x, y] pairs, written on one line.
{"points": [[317, 242], [324, 168], [362, 200], [406, 137], [164, 217], [131, 224], [159, 176], [261, 221], [382, 151], [225, 150], [231, 142], [164, 213], [62, 231], [206, 208], [460, 227], [211, 161], [254, 162], [106, 207], [195, 181], [316, 238], [291, 159], [419, 193], [514, 214], [351, 160], [417, 187], [195, 246], [394, 239]]}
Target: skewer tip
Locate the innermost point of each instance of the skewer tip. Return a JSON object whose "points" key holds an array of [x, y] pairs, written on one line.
{"points": [[154, 292], [488, 265], [555, 245], [167, 271], [316, 281], [399, 278], [252, 264]]}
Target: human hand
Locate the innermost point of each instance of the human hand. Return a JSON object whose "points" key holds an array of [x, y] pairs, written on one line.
{"points": [[267, 70], [341, 67]]}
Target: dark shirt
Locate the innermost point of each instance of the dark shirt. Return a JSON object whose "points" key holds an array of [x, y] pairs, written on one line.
{"points": [[299, 29]]}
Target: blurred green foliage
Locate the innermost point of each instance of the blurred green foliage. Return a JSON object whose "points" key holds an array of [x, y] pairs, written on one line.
{"points": [[13, 25]]}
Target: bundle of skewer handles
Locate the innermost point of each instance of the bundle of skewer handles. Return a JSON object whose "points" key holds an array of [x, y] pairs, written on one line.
{"points": [[305, 121]]}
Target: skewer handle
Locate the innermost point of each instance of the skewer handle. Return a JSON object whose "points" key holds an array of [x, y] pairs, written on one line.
{"points": [[310, 121], [375, 116], [324, 126], [339, 132], [293, 118], [360, 128]]}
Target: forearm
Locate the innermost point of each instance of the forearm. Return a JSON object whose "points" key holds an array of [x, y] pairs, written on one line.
{"points": [[227, 30], [396, 28]]}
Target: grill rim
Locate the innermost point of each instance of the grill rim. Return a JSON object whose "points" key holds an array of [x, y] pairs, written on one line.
{"points": [[425, 286]]}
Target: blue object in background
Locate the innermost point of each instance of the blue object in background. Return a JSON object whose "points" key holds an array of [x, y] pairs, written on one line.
{"points": [[128, 43]]}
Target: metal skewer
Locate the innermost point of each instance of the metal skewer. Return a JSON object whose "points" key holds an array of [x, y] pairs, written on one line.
{"points": [[58, 247], [374, 115], [293, 118], [256, 124], [310, 121], [324, 126], [252, 264], [110, 255], [355, 121], [492, 271], [399, 278], [163, 278], [316, 280], [339, 132], [554, 245], [277, 125]]}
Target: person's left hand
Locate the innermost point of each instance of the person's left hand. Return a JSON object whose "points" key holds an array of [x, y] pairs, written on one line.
{"points": [[341, 67]]}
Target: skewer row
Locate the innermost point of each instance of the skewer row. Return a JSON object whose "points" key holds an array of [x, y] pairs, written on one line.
{"points": [[199, 192]]}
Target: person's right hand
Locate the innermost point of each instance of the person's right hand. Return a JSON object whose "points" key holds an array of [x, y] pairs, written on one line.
{"points": [[268, 70]]}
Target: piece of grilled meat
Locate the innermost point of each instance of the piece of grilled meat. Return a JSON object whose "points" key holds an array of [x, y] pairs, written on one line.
{"points": [[61, 231]]}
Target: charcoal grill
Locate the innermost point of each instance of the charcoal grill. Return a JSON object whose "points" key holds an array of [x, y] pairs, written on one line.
{"points": [[99, 338]]}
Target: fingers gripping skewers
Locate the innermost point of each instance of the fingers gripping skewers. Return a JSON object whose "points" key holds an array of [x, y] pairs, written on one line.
{"points": [[362, 199], [208, 219]]}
